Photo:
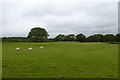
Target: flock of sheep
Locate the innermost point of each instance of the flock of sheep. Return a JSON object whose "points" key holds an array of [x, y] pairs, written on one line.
{"points": [[29, 49]]}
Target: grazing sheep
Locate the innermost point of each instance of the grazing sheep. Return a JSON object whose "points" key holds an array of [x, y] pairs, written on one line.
{"points": [[29, 49], [60, 76], [17, 49], [41, 47]]}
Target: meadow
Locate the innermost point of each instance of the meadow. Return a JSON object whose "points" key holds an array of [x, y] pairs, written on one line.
{"points": [[0, 59], [69, 59]]}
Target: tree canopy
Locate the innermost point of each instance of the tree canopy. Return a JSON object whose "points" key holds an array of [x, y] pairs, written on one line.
{"points": [[118, 37], [59, 37], [70, 37], [38, 34], [109, 38], [96, 38], [81, 38]]}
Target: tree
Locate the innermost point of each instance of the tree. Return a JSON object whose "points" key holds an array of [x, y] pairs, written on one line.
{"points": [[70, 37], [38, 34], [96, 38], [109, 38], [91, 38], [60, 37], [81, 38], [117, 37]]}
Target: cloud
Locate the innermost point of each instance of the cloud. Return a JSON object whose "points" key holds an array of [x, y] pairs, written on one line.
{"points": [[60, 17]]}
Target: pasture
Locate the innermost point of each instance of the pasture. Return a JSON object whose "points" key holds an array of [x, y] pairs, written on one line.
{"points": [[0, 59], [69, 59]]}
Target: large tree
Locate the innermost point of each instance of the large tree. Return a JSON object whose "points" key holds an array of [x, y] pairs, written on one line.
{"points": [[109, 38], [38, 34], [96, 38], [91, 38], [81, 38], [70, 37], [59, 37], [117, 37]]}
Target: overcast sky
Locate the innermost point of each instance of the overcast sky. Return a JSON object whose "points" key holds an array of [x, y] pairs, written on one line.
{"points": [[58, 17]]}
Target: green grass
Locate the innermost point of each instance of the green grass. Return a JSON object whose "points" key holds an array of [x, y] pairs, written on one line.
{"points": [[70, 59], [0, 59]]}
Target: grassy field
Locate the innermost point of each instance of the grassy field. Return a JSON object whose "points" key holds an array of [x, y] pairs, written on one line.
{"points": [[70, 59], [0, 59]]}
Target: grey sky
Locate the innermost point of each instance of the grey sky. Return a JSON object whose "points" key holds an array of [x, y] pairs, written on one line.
{"points": [[59, 16]]}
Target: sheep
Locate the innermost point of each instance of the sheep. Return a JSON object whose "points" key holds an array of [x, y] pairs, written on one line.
{"points": [[41, 47], [17, 49], [60, 76], [29, 49]]}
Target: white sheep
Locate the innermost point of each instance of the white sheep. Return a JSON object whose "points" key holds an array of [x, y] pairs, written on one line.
{"points": [[60, 76], [41, 47], [29, 49], [17, 49]]}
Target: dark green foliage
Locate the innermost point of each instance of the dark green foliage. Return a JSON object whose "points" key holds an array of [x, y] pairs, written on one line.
{"points": [[91, 39], [96, 38], [14, 39], [109, 38], [70, 37], [118, 37], [38, 34], [81, 38], [60, 37]]}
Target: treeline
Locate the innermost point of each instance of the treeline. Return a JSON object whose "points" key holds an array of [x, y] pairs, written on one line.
{"points": [[92, 38], [14, 39], [70, 37]]}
